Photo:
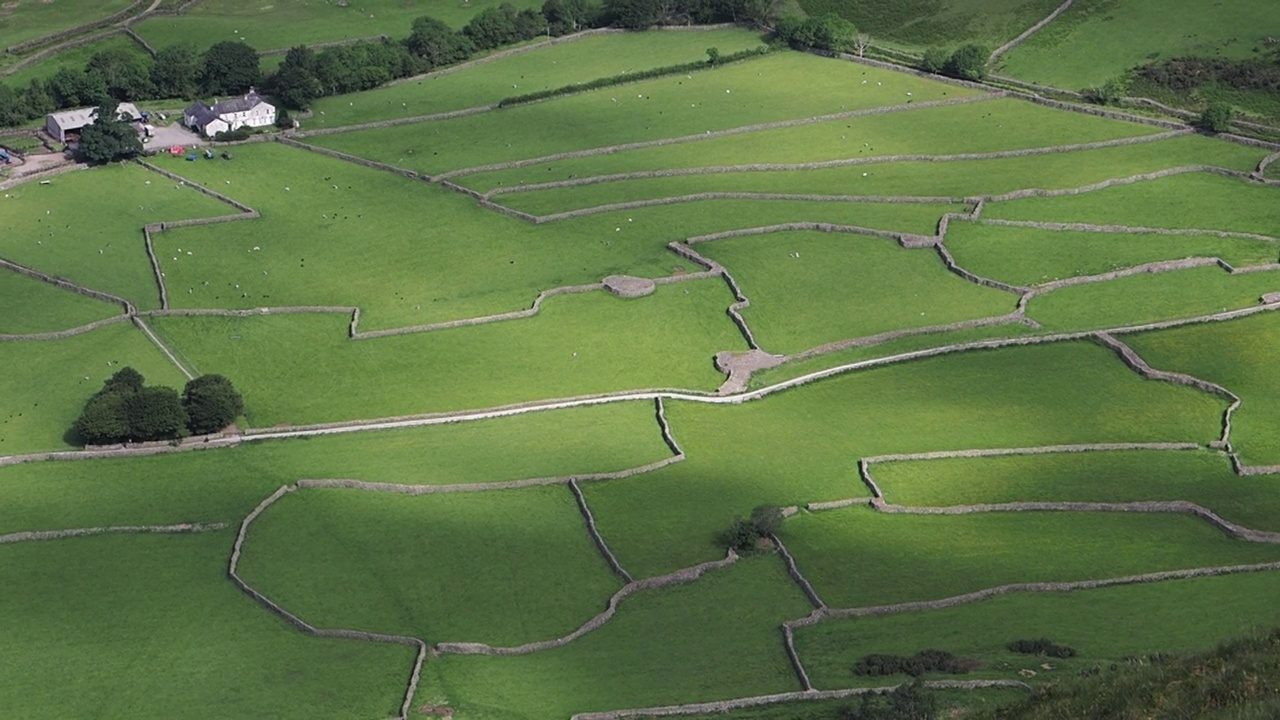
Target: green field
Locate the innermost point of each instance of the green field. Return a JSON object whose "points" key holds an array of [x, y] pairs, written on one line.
{"points": [[28, 305], [987, 126], [545, 68], [30, 19], [664, 646], [1029, 256], [286, 23], [73, 58], [47, 382], [803, 445], [87, 226], [571, 348], [503, 568], [809, 288], [145, 626], [160, 612], [1097, 40], [781, 86], [1227, 353], [223, 485], [1084, 619], [1202, 477]]}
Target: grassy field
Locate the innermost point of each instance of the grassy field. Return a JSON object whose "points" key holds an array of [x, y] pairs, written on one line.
{"points": [[986, 126], [286, 23], [224, 485], [922, 22], [1202, 477], [782, 86], [845, 286], [1028, 256], [47, 382], [28, 305], [671, 337], [1097, 40], [1191, 200], [29, 19], [179, 638], [1159, 617], [714, 638], [959, 702], [1145, 298], [87, 226], [541, 69], [856, 556], [73, 58], [803, 445], [1232, 355], [504, 568], [951, 179]]}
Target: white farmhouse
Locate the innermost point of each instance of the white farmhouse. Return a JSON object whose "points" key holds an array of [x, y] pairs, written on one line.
{"points": [[247, 111]]}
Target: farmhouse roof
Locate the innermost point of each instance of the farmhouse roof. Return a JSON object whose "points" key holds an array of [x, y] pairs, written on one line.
{"points": [[248, 101]]}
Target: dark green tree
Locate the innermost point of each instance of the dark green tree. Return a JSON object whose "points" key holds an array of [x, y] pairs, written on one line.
{"points": [[13, 110], [155, 413], [126, 75], [935, 59], [36, 99], [566, 16], [105, 419], [76, 88], [125, 379], [108, 140], [437, 43], [176, 72], [492, 27], [1217, 117], [713, 55], [212, 403], [295, 87], [229, 68], [968, 62], [909, 701]]}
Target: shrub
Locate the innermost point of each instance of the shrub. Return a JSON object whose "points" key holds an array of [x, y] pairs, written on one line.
{"points": [[968, 62], [1041, 646], [1217, 117], [926, 661], [233, 135], [934, 60], [908, 701], [1109, 93], [744, 533]]}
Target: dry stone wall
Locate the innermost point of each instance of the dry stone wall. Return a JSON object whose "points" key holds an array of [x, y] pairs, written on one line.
{"points": [[72, 32], [594, 532], [111, 530]]}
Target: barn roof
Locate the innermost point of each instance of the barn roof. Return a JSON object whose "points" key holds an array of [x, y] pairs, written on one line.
{"points": [[75, 119]]}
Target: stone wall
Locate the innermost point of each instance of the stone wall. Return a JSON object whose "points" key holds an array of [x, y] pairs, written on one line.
{"points": [[71, 32], [394, 122], [594, 532], [350, 158], [60, 334], [111, 530]]}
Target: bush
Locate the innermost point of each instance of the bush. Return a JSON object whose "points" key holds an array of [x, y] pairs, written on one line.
{"points": [[1109, 93], [1217, 117], [1041, 646], [233, 135], [968, 62], [934, 60], [926, 661], [908, 701], [743, 534]]}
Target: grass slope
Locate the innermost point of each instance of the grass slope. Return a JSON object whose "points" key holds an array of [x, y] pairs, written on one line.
{"points": [[145, 626], [1202, 477], [28, 305], [74, 58], [502, 567], [844, 286], [988, 126], [951, 179], [277, 362], [225, 484], [46, 382], [87, 226], [714, 638], [29, 20], [803, 445], [781, 86], [545, 68], [928, 22], [1157, 617], [1147, 298], [1232, 354], [1191, 200], [285, 24], [856, 556], [1097, 40], [1028, 256]]}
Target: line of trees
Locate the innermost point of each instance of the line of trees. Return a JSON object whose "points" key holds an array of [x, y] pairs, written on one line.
{"points": [[127, 410]]}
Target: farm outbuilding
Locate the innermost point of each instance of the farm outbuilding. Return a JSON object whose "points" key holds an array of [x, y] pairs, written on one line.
{"points": [[59, 124]]}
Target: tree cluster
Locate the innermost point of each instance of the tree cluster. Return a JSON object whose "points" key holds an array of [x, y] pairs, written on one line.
{"points": [[1041, 646], [925, 661], [640, 14], [967, 62], [829, 32], [908, 701], [109, 139], [744, 534], [126, 410], [116, 75]]}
